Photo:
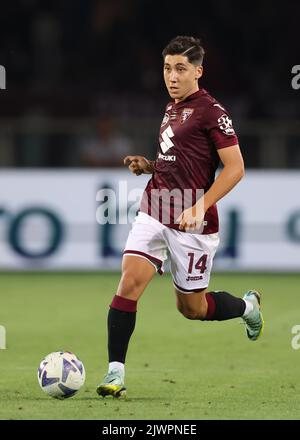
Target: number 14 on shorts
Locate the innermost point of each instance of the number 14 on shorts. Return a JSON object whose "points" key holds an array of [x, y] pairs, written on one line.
{"points": [[200, 263]]}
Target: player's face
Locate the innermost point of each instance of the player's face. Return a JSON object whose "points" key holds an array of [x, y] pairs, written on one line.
{"points": [[181, 77]]}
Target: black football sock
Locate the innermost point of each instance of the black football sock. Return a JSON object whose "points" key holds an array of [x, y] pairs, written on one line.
{"points": [[223, 306], [120, 325]]}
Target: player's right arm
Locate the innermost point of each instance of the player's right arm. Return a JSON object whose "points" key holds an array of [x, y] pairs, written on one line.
{"points": [[139, 165]]}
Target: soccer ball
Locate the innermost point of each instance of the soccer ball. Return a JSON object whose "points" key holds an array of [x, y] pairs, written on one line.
{"points": [[61, 374]]}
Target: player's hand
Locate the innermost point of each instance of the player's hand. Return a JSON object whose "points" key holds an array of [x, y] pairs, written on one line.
{"points": [[138, 165], [191, 219]]}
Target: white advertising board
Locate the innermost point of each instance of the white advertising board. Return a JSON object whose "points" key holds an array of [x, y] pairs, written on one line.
{"points": [[48, 220]]}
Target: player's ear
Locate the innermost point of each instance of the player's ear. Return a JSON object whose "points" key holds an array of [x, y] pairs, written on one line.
{"points": [[199, 72]]}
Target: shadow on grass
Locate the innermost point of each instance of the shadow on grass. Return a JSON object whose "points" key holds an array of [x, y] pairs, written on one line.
{"points": [[94, 399], [128, 399]]}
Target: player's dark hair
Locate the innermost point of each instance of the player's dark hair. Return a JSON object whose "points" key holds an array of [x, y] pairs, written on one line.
{"points": [[188, 46]]}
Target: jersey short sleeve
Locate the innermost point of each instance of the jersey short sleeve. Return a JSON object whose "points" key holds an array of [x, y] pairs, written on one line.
{"points": [[219, 127]]}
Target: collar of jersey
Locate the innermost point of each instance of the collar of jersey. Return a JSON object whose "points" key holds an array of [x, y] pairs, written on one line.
{"points": [[191, 97]]}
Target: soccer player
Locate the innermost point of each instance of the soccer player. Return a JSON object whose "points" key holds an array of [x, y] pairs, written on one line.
{"points": [[195, 135]]}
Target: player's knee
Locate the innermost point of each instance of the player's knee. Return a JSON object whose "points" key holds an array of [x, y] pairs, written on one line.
{"points": [[129, 286]]}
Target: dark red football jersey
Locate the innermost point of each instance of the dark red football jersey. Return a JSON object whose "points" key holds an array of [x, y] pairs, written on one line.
{"points": [[190, 134]]}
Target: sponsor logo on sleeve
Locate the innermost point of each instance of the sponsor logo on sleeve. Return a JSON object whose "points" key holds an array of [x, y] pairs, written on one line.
{"points": [[225, 124]]}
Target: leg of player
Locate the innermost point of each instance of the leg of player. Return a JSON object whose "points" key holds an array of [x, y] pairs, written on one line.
{"points": [[136, 274], [220, 306]]}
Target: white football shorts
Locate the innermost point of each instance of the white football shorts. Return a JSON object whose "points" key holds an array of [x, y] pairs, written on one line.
{"points": [[191, 255]]}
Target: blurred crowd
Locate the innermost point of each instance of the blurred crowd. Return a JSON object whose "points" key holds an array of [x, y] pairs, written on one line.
{"points": [[101, 59]]}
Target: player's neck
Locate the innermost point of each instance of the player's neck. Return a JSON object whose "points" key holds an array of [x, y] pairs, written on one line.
{"points": [[190, 92]]}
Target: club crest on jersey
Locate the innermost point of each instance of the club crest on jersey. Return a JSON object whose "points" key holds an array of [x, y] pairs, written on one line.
{"points": [[186, 114], [165, 119]]}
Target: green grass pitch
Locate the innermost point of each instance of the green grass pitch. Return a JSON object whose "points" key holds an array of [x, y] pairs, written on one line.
{"points": [[176, 368]]}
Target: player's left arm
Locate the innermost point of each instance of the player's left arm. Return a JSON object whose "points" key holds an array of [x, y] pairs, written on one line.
{"points": [[231, 174]]}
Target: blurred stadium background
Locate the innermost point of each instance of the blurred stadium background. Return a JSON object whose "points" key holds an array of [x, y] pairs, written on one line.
{"points": [[84, 88]]}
